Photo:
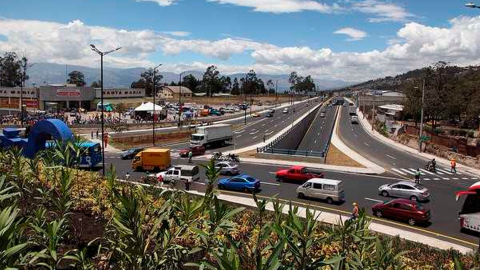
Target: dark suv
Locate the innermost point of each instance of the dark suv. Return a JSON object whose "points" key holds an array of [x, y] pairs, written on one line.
{"points": [[402, 210]]}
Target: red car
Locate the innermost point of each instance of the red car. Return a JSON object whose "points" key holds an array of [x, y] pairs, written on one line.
{"points": [[297, 174], [403, 210], [196, 151]]}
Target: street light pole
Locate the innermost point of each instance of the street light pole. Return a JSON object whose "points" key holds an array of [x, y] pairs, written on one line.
{"points": [[245, 99], [180, 98], [421, 119], [154, 92], [102, 54]]}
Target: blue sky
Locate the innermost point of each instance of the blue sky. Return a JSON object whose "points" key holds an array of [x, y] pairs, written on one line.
{"points": [[272, 36]]}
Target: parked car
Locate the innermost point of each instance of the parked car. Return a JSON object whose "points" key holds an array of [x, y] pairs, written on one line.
{"points": [[272, 110], [322, 114], [402, 210], [255, 114], [269, 114], [227, 168], [196, 151], [324, 189], [242, 182], [285, 110], [405, 189], [297, 174], [130, 153]]}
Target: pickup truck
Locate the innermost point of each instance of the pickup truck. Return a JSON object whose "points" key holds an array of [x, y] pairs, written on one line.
{"points": [[297, 174], [180, 172]]}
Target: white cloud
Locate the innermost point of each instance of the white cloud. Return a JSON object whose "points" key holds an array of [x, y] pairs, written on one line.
{"points": [[162, 3], [353, 33], [282, 6], [414, 46], [177, 33], [383, 11]]}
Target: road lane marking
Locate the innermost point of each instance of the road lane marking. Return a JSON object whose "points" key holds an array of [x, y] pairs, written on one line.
{"points": [[315, 142], [465, 178], [426, 179], [444, 171], [455, 178], [390, 157], [240, 131], [446, 178], [266, 183], [436, 179], [367, 144], [398, 171], [425, 171], [262, 126], [255, 137], [269, 133], [272, 172], [374, 200], [237, 136], [253, 133], [408, 171]]}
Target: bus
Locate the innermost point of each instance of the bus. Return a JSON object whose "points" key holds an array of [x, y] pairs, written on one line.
{"points": [[91, 153], [470, 213]]}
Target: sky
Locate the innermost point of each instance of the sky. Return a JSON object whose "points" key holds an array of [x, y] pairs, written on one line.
{"points": [[348, 40]]}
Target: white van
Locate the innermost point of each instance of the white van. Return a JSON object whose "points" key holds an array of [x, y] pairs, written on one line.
{"points": [[324, 189]]}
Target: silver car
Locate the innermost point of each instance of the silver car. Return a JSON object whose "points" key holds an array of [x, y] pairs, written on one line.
{"points": [[405, 189], [227, 168]]}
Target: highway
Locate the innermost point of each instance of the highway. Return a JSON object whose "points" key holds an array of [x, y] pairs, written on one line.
{"points": [[318, 135], [359, 188]]}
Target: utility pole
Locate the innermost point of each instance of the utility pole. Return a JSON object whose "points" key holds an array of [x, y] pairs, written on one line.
{"points": [[276, 94], [180, 99], [373, 110], [102, 54], [421, 119], [245, 99], [154, 109]]}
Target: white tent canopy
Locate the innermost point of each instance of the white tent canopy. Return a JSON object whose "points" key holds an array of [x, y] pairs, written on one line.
{"points": [[148, 107]]}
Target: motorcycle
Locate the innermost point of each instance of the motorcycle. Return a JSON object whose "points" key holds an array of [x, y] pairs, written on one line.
{"points": [[430, 167], [230, 157]]}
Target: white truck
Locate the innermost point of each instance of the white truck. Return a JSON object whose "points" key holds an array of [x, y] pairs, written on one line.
{"points": [[214, 134], [179, 172]]}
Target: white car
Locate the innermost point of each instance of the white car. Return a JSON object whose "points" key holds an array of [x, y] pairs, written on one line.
{"points": [[285, 110], [227, 168], [354, 119]]}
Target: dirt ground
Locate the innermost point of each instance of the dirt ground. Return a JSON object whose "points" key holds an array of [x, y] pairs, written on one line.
{"points": [[338, 158], [248, 154]]}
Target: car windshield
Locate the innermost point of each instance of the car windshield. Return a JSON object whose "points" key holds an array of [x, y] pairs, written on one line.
{"points": [[250, 179]]}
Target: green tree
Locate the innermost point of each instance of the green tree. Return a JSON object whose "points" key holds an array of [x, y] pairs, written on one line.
{"points": [[147, 82], [211, 81], [235, 87], [11, 74], [191, 82], [77, 78], [97, 84], [270, 86]]}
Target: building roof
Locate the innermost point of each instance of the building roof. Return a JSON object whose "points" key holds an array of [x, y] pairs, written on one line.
{"points": [[176, 89], [392, 107]]}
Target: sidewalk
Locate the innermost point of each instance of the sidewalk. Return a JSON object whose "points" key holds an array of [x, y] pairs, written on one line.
{"points": [[108, 148], [332, 218], [368, 128]]}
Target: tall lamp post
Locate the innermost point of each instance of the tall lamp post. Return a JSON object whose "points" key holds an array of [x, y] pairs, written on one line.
{"points": [[102, 54], [22, 84], [154, 92], [180, 98], [421, 118]]}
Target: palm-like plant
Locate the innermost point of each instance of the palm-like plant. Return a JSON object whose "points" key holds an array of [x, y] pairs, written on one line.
{"points": [[211, 173], [12, 240]]}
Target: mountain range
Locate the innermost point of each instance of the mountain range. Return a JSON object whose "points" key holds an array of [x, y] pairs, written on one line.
{"points": [[48, 73]]}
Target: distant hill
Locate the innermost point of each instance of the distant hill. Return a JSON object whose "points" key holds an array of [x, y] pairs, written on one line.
{"points": [[47, 73], [395, 83]]}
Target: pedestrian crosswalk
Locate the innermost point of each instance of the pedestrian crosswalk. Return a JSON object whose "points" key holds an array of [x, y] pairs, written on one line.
{"points": [[441, 174]]}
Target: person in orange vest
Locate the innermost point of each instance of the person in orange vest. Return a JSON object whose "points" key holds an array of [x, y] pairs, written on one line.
{"points": [[105, 139], [453, 165]]}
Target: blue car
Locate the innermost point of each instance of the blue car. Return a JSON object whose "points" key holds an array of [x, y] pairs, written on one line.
{"points": [[242, 182]]}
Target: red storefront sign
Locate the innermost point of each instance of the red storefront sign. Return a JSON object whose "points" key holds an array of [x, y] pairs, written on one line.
{"points": [[31, 103], [68, 93]]}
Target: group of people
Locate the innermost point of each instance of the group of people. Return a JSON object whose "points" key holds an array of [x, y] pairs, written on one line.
{"points": [[432, 167]]}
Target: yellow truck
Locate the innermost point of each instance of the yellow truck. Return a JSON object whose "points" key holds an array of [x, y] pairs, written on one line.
{"points": [[152, 159]]}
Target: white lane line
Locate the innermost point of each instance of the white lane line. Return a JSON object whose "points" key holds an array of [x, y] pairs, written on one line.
{"points": [[446, 178], [407, 171], [398, 171], [444, 171], [318, 134], [314, 142], [390, 157], [272, 172], [262, 126], [266, 183], [273, 126], [253, 133], [455, 178], [270, 122], [199, 183], [367, 144], [436, 178], [373, 200], [240, 131], [465, 178], [474, 178], [237, 136], [269, 133], [426, 179], [352, 128], [254, 137], [425, 171], [282, 123]]}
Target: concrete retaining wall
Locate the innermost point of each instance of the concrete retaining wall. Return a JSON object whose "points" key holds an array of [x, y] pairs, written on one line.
{"points": [[294, 137], [290, 158]]}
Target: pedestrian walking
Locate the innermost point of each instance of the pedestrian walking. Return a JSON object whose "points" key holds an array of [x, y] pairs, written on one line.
{"points": [[92, 134], [417, 176], [187, 185], [190, 155], [264, 137], [97, 133], [127, 175], [453, 165]]}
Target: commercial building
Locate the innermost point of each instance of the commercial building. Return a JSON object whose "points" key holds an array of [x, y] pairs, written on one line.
{"points": [[62, 96], [173, 92]]}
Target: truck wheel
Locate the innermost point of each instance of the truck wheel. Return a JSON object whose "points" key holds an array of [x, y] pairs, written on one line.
{"points": [[329, 200], [384, 193], [301, 195], [220, 187], [279, 179], [411, 221]]}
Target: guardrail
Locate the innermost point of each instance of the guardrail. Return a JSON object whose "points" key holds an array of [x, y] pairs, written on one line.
{"points": [[303, 153]]}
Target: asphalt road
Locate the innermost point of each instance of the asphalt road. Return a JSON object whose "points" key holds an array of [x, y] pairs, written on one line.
{"points": [[359, 188], [257, 128], [318, 135]]}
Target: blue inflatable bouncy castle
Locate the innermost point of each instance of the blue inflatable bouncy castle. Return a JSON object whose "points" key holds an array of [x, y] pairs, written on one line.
{"points": [[44, 131]]}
